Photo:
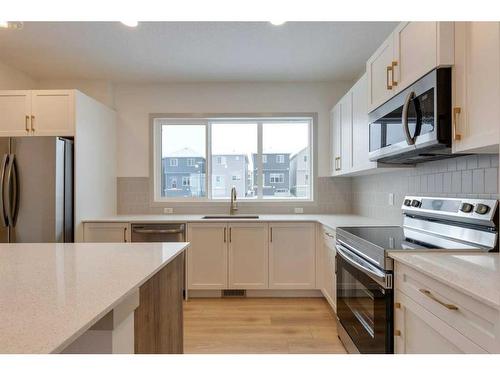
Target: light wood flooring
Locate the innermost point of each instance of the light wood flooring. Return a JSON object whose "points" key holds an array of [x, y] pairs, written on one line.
{"points": [[260, 325]]}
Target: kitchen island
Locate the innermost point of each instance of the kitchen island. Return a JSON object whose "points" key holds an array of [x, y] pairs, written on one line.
{"points": [[82, 297]]}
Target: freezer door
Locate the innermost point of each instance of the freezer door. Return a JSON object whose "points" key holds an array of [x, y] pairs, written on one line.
{"points": [[41, 180]]}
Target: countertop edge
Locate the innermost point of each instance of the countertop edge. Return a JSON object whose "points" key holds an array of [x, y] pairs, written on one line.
{"points": [[86, 326], [396, 255]]}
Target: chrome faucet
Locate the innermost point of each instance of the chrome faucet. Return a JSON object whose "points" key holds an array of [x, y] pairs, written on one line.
{"points": [[234, 205]]}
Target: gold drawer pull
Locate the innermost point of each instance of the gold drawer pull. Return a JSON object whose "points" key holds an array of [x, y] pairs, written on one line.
{"points": [[397, 332], [434, 298], [397, 305]]}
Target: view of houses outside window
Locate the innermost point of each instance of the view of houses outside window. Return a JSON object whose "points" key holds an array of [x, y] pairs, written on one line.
{"points": [[235, 160]]}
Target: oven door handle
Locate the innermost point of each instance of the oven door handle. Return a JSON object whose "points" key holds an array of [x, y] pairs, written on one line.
{"points": [[362, 265]]}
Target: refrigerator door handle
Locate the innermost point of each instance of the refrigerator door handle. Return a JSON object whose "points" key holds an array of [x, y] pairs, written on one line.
{"points": [[3, 217], [12, 203]]}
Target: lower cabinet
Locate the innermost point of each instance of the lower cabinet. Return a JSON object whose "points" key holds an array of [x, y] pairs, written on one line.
{"points": [[329, 278], [207, 256], [106, 232], [292, 255], [248, 256]]}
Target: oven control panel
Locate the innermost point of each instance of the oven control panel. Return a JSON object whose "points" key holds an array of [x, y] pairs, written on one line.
{"points": [[458, 208]]}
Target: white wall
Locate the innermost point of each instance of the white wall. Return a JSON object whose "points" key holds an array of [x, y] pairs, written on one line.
{"points": [[134, 103], [101, 91], [13, 79]]}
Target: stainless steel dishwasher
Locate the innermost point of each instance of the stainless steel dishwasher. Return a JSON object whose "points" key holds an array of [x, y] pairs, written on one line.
{"points": [[159, 232]]}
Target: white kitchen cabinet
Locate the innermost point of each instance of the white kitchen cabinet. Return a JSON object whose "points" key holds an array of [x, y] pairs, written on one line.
{"points": [[336, 140], [15, 110], [106, 232], [53, 112], [433, 317], [329, 278], [417, 331], [207, 256], [37, 113], [379, 74], [410, 52], [476, 87], [292, 256], [248, 256]]}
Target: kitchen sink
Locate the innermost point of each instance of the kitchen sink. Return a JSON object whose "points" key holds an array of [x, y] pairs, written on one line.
{"points": [[231, 217]]}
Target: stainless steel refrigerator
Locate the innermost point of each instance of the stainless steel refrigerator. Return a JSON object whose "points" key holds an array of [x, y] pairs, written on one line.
{"points": [[36, 189]]}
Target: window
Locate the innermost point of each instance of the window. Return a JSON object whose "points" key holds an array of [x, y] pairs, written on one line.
{"points": [[263, 158], [277, 178]]}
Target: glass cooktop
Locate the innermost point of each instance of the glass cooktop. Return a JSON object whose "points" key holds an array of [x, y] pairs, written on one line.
{"points": [[387, 238]]}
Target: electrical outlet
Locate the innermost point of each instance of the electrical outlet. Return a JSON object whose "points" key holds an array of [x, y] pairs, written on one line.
{"points": [[391, 199], [299, 210], [168, 210]]}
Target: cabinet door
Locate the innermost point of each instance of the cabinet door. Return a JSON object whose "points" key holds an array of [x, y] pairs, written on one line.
{"points": [[292, 256], [328, 267], [346, 133], [248, 256], [415, 51], [106, 232], [207, 256], [360, 130], [417, 331], [336, 138], [53, 112], [379, 78], [476, 87], [15, 109]]}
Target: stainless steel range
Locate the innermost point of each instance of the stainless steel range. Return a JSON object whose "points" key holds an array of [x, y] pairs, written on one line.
{"points": [[364, 270]]}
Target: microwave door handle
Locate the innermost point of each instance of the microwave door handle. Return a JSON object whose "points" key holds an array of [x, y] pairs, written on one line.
{"points": [[377, 275], [3, 216], [409, 139]]}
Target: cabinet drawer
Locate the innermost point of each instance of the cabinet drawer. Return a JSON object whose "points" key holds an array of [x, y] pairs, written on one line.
{"points": [[472, 318]]}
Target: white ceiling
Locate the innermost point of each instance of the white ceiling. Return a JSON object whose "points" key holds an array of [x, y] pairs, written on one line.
{"points": [[193, 51]]}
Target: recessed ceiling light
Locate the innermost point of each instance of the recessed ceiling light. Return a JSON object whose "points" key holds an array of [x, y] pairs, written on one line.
{"points": [[277, 23], [130, 23]]}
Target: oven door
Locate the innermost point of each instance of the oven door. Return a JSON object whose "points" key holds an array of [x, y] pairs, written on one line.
{"points": [[364, 304]]}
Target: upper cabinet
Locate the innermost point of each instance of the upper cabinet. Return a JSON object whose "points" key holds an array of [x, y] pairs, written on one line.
{"points": [[37, 113], [410, 52], [476, 87]]}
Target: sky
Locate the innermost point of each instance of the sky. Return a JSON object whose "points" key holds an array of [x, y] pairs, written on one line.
{"points": [[236, 138]]}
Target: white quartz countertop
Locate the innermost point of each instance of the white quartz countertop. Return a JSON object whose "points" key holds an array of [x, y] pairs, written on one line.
{"points": [[52, 293], [332, 221], [475, 274]]}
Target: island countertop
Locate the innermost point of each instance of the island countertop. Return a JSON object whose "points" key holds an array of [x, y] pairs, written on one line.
{"points": [[52, 293]]}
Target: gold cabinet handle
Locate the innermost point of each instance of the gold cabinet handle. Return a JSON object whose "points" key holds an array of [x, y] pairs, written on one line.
{"points": [[125, 234], [33, 123], [434, 298], [397, 332], [393, 81], [230, 234], [389, 69], [26, 125], [224, 235], [271, 235], [397, 305], [456, 136]]}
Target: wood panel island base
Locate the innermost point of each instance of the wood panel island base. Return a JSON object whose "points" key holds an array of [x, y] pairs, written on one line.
{"points": [[91, 298]]}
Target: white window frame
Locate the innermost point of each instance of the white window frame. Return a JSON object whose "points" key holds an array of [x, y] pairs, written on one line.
{"points": [[172, 164], [190, 162], [161, 119], [184, 179], [277, 175], [280, 159]]}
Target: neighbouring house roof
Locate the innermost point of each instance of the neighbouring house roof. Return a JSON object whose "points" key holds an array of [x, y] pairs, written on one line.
{"points": [[298, 153], [184, 152]]}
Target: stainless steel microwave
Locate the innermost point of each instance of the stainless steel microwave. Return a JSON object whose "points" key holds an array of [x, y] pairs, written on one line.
{"points": [[415, 125]]}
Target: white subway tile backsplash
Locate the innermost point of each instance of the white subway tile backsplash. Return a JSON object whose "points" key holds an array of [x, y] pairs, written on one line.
{"points": [[491, 180], [467, 182], [471, 161], [456, 182], [447, 182], [478, 181]]}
